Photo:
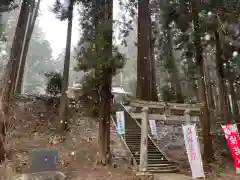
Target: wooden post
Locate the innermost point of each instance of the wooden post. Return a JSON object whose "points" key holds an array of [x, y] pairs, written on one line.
{"points": [[167, 111], [187, 116], [144, 141]]}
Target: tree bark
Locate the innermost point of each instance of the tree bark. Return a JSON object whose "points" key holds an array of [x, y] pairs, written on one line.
{"points": [[104, 115], [220, 75], [105, 93], [31, 23], [191, 70], [205, 119], [143, 58], [154, 96], [2, 135], [171, 65], [235, 110], [63, 121], [11, 72], [238, 91], [209, 83], [15, 55]]}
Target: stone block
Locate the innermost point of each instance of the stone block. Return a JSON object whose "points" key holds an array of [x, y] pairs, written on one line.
{"points": [[44, 160]]}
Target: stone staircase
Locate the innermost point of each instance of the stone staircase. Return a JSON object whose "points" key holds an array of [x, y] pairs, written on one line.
{"points": [[157, 162]]}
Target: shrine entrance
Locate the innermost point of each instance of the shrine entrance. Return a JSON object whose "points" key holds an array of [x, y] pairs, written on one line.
{"points": [[145, 111]]}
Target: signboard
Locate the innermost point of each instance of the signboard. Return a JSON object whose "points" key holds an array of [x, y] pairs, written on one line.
{"points": [[120, 122], [193, 150], [232, 136], [44, 160], [153, 127]]}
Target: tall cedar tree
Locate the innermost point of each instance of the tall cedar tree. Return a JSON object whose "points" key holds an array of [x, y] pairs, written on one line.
{"points": [[99, 57], [205, 120], [105, 92], [62, 118], [169, 59], [143, 58], [31, 23], [12, 68]]}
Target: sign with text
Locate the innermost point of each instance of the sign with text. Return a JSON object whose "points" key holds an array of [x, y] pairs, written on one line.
{"points": [[44, 160], [232, 136], [153, 127], [120, 122], [193, 150]]}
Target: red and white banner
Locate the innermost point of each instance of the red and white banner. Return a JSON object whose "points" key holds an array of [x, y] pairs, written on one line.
{"points": [[233, 140], [153, 127], [193, 150]]}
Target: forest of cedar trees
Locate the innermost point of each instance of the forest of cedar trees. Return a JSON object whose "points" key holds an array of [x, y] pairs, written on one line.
{"points": [[176, 51]]}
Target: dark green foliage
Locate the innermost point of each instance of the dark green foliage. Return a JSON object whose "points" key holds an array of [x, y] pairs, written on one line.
{"points": [[2, 30], [60, 9], [7, 5], [90, 89], [54, 84], [168, 94], [88, 58], [92, 47], [6, 2]]}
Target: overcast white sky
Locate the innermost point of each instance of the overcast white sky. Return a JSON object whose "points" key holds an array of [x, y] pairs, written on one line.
{"points": [[55, 30]]}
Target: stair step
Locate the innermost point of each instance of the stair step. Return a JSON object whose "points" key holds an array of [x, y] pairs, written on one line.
{"points": [[159, 156], [150, 146], [163, 170], [151, 157], [136, 141], [154, 161], [138, 144], [132, 133], [161, 165], [130, 129], [150, 150], [157, 162], [137, 152]]}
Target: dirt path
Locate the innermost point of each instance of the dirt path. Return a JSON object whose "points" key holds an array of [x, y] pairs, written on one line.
{"points": [[172, 176]]}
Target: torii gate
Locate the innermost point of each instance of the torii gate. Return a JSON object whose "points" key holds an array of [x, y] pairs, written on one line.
{"points": [[166, 111]]}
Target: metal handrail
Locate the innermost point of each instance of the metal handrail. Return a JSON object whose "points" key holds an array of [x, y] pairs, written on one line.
{"points": [[169, 159], [134, 160]]}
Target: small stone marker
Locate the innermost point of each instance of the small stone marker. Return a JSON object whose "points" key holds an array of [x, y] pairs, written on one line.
{"points": [[44, 160]]}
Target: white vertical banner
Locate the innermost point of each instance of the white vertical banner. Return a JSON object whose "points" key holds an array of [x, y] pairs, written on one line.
{"points": [[153, 127], [193, 150], [120, 122]]}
